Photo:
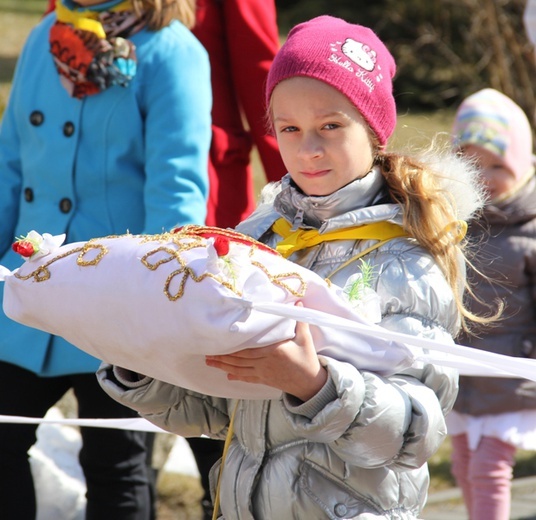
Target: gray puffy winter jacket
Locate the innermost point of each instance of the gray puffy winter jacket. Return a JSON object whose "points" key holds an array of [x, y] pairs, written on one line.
{"points": [[358, 449], [506, 271]]}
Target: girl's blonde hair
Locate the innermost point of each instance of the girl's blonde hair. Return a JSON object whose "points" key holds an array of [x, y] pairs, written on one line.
{"points": [[159, 13], [430, 215]]}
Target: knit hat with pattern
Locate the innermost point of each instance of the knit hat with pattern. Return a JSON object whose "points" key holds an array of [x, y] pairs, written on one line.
{"points": [[348, 57], [493, 121]]}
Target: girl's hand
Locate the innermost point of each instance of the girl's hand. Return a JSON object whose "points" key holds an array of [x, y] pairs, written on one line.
{"points": [[291, 366]]}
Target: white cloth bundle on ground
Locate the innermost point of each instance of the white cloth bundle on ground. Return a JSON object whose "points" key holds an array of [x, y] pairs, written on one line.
{"points": [[157, 304]]}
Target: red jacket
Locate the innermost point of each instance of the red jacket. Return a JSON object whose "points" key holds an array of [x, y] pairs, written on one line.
{"points": [[241, 38]]}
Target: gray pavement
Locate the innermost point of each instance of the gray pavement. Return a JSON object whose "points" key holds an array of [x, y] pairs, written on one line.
{"points": [[448, 505]]}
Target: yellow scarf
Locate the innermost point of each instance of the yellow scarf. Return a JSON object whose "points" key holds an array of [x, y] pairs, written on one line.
{"points": [[87, 20], [303, 238]]}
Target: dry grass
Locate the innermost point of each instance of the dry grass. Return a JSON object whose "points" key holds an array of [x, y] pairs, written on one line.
{"points": [[416, 130], [179, 497]]}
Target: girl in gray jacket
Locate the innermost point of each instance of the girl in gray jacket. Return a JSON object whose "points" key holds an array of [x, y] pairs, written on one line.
{"points": [[493, 417], [340, 442]]}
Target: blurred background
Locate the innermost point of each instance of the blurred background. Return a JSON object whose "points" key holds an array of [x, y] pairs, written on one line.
{"points": [[444, 49]]}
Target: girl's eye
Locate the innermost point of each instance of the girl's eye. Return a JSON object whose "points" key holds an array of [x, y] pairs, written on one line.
{"points": [[289, 129], [331, 126]]}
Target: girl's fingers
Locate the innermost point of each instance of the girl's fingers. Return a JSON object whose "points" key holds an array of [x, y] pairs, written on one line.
{"points": [[303, 332], [242, 357], [227, 361]]}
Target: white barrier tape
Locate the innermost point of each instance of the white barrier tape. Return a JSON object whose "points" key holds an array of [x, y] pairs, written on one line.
{"points": [[137, 424], [469, 361]]}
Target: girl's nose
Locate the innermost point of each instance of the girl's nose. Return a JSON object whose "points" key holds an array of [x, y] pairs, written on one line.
{"points": [[310, 147]]}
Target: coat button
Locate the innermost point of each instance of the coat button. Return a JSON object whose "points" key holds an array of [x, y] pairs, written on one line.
{"points": [[28, 194], [68, 129], [341, 510], [65, 205], [37, 118]]}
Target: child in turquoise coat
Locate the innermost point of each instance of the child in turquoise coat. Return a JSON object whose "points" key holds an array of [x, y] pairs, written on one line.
{"points": [[107, 130]]}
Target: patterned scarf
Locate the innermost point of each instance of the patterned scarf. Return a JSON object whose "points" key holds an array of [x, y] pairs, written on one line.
{"points": [[90, 48]]}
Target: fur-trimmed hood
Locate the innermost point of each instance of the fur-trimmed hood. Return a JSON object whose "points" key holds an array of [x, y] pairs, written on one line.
{"points": [[460, 178], [456, 175]]}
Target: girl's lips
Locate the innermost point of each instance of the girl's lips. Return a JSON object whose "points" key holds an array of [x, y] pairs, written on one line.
{"points": [[317, 173]]}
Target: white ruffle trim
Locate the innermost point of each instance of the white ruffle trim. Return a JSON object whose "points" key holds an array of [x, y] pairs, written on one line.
{"points": [[516, 428]]}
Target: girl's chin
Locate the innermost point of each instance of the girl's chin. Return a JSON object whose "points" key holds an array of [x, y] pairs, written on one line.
{"points": [[315, 189], [318, 191]]}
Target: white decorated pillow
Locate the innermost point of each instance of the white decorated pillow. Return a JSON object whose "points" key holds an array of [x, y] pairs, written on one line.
{"points": [[157, 304]]}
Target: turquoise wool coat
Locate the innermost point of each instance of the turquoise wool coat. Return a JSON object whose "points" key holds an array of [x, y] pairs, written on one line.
{"points": [[126, 159]]}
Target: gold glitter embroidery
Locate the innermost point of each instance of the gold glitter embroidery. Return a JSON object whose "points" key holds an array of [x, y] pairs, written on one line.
{"points": [[42, 273], [279, 280], [88, 247], [184, 270], [182, 240]]}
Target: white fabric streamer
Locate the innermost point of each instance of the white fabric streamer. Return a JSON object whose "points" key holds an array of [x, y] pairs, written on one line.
{"points": [[467, 360]]}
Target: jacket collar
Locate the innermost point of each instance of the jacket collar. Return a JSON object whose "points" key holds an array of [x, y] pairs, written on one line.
{"points": [[308, 211]]}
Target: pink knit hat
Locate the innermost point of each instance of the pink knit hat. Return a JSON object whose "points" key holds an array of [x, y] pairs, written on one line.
{"points": [[350, 58], [493, 121]]}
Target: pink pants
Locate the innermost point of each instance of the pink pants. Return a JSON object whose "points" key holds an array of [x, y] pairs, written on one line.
{"points": [[484, 476]]}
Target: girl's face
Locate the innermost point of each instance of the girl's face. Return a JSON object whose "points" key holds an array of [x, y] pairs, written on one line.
{"points": [[498, 178], [324, 142]]}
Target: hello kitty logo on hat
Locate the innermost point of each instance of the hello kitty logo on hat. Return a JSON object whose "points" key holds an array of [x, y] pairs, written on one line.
{"points": [[350, 53], [348, 57], [359, 53]]}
